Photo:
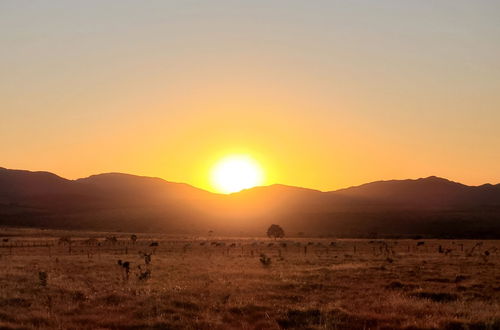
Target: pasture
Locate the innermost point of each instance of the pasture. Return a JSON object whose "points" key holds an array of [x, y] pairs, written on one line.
{"points": [[74, 280]]}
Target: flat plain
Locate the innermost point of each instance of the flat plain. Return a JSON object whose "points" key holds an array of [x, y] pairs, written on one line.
{"points": [[81, 280]]}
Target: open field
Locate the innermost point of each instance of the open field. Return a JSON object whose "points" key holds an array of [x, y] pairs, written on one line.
{"points": [[220, 283]]}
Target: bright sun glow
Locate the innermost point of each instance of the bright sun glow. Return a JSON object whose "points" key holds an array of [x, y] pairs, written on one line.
{"points": [[235, 173]]}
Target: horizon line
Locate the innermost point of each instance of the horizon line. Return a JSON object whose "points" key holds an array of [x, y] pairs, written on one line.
{"points": [[247, 189]]}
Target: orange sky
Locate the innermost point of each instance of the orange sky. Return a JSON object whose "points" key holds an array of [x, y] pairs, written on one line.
{"points": [[324, 95]]}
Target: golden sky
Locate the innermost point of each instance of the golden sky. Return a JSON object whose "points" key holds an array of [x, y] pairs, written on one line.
{"points": [[323, 94]]}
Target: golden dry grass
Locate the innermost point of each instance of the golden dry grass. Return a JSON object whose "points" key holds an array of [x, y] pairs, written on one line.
{"points": [[353, 284]]}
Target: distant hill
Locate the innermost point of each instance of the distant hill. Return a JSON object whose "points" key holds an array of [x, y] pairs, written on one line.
{"points": [[431, 192], [429, 207]]}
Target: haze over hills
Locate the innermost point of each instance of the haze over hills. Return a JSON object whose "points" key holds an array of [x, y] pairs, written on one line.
{"points": [[432, 207]]}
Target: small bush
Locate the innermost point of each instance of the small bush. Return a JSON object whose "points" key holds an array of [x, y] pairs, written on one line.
{"points": [[144, 275], [265, 260], [397, 285], [43, 277], [435, 296], [297, 319], [187, 305]]}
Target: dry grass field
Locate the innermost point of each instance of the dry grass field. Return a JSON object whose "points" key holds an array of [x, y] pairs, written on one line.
{"points": [[217, 283]]}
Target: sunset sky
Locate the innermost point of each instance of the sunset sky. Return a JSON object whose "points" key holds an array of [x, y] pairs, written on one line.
{"points": [[322, 94]]}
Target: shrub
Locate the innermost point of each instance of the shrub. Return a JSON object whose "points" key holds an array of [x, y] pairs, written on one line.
{"points": [[43, 277], [265, 260]]}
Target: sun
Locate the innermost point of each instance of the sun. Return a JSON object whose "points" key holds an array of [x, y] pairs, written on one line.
{"points": [[236, 172]]}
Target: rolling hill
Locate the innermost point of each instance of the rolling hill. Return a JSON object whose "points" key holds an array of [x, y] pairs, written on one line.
{"points": [[431, 207]]}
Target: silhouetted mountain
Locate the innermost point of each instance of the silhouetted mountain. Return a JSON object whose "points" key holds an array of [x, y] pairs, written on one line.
{"points": [[431, 192], [18, 183], [429, 207], [138, 190]]}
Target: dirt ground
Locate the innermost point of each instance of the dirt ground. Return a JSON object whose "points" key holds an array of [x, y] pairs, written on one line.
{"points": [[247, 283]]}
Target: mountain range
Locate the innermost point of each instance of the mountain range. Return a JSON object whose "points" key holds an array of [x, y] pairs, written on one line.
{"points": [[425, 207]]}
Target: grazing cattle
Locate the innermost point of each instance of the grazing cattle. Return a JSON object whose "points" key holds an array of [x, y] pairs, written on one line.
{"points": [[420, 243], [154, 244]]}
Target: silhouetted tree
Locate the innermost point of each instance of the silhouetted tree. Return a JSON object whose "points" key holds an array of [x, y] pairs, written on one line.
{"points": [[275, 231], [133, 238]]}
